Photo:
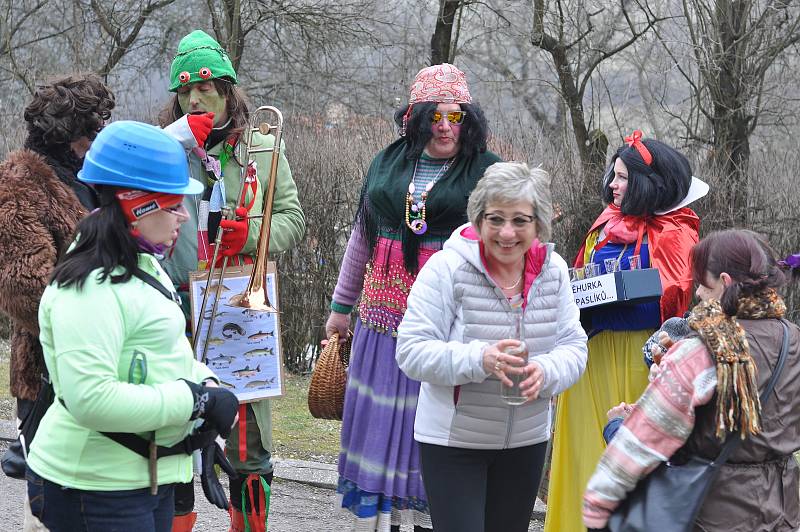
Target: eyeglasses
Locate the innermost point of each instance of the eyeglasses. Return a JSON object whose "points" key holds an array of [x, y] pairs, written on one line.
{"points": [[518, 222], [454, 117], [177, 210]]}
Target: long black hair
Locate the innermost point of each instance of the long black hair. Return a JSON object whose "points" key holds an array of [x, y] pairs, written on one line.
{"points": [[657, 187], [474, 129], [103, 241]]}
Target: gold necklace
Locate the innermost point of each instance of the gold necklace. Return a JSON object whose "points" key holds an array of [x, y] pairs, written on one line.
{"points": [[515, 284]]}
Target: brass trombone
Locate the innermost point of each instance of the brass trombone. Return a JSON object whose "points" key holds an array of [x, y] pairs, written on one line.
{"points": [[255, 295]]}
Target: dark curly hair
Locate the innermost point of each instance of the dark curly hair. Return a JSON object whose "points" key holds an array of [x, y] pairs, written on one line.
{"points": [[66, 110], [657, 187], [474, 130]]}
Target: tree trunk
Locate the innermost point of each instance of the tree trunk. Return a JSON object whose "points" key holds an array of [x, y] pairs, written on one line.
{"points": [[442, 38], [731, 156], [592, 156], [731, 121], [591, 147], [229, 31]]}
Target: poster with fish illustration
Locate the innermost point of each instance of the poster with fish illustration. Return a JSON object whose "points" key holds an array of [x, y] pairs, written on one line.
{"points": [[244, 347]]}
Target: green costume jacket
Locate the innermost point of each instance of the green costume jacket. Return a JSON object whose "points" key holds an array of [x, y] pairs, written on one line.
{"points": [[288, 227]]}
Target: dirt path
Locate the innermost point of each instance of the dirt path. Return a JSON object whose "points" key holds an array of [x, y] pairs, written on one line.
{"points": [[295, 507]]}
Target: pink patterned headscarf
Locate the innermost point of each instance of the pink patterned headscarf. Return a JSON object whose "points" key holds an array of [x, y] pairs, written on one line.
{"points": [[437, 84], [440, 84]]}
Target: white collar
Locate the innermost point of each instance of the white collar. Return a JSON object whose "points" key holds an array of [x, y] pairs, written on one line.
{"points": [[697, 190]]}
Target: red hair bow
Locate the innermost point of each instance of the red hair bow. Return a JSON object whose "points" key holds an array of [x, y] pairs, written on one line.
{"points": [[635, 140]]}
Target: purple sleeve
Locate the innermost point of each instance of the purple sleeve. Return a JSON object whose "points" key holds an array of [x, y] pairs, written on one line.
{"points": [[351, 273]]}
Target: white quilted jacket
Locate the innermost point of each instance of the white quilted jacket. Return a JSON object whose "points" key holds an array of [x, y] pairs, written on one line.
{"points": [[454, 311]]}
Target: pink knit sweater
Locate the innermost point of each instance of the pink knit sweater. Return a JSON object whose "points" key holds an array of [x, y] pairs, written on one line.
{"points": [[659, 425]]}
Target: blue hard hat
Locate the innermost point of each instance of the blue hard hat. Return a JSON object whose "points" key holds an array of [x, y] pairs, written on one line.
{"points": [[139, 156]]}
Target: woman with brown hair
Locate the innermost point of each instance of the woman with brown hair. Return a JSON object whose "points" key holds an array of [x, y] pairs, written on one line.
{"points": [[708, 387]]}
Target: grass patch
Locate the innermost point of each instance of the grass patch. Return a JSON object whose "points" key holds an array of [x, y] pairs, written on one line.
{"points": [[295, 434], [5, 363], [6, 401]]}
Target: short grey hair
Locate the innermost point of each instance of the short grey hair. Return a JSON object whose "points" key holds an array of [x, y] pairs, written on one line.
{"points": [[509, 183]]}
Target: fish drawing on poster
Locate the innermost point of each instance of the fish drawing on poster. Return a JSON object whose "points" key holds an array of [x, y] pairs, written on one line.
{"points": [[244, 345]]}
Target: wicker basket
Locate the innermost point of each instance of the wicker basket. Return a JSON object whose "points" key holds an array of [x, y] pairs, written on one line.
{"points": [[326, 390]]}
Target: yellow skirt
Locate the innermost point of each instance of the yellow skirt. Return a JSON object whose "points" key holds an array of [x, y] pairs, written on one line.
{"points": [[615, 372]]}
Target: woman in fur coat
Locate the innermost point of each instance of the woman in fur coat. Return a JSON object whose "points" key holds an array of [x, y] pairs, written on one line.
{"points": [[41, 201]]}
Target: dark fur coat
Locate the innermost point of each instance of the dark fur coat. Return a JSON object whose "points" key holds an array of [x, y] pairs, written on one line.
{"points": [[38, 215]]}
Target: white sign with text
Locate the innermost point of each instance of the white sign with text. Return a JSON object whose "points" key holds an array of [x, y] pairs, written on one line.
{"points": [[595, 291]]}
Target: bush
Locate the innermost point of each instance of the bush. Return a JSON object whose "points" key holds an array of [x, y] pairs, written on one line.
{"points": [[328, 165]]}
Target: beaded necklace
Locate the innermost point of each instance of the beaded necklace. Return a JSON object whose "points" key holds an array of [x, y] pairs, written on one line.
{"points": [[415, 211]]}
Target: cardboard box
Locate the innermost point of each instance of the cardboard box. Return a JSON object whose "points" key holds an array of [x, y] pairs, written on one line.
{"points": [[627, 287]]}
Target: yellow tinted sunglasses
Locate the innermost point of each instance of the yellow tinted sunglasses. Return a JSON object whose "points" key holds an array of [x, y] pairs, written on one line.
{"points": [[454, 117]]}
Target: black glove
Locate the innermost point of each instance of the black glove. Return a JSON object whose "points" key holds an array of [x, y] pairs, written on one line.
{"points": [[217, 406], [201, 438], [213, 490]]}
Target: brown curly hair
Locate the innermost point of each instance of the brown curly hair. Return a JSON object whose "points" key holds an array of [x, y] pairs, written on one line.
{"points": [[68, 109]]}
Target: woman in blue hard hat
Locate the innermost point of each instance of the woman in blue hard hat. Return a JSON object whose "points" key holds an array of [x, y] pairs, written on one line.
{"points": [[205, 87], [127, 385]]}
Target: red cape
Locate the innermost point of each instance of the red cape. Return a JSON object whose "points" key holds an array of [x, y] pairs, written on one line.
{"points": [[670, 239]]}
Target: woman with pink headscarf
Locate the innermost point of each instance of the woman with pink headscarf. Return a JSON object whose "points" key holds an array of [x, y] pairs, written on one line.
{"points": [[414, 195]]}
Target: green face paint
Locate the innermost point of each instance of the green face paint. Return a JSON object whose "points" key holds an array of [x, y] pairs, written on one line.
{"points": [[203, 97]]}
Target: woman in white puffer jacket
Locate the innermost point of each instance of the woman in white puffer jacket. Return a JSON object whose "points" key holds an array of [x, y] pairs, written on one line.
{"points": [[482, 458]]}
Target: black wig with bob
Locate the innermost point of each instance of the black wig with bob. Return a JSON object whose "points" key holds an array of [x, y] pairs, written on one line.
{"points": [[657, 187], [104, 242], [474, 129]]}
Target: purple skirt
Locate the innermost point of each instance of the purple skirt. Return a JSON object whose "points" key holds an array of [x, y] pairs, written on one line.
{"points": [[379, 455]]}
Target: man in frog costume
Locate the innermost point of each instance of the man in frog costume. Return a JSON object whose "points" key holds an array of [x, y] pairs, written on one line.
{"points": [[209, 115]]}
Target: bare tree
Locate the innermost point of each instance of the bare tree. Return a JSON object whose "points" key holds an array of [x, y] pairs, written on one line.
{"points": [[443, 46], [19, 31], [229, 28], [122, 24], [289, 30], [735, 45], [579, 36], [498, 41]]}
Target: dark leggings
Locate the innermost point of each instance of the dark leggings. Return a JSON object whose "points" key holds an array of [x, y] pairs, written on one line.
{"points": [[184, 498], [471, 490]]}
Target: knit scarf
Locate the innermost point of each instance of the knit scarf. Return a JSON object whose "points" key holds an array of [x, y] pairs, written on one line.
{"points": [[738, 404]]}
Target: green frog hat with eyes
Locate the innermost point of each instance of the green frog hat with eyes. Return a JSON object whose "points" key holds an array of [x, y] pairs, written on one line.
{"points": [[199, 58]]}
